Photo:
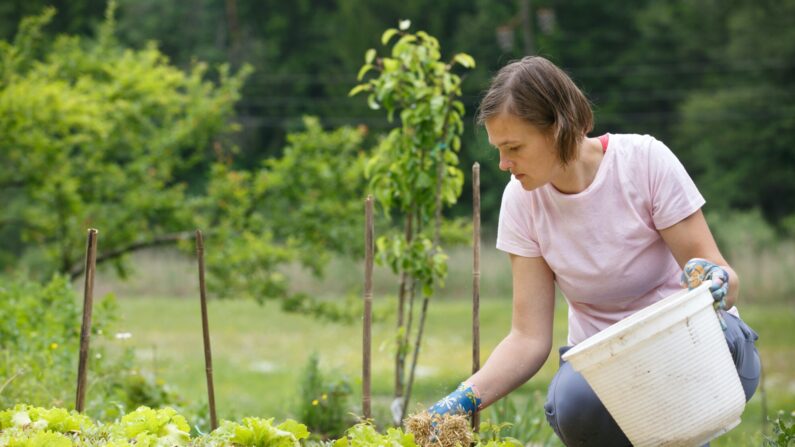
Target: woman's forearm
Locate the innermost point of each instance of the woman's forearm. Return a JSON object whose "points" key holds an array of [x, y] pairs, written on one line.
{"points": [[513, 362]]}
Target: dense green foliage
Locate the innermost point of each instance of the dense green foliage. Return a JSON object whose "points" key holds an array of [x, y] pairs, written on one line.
{"points": [[414, 170], [95, 135], [299, 208], [102, 136], [39, 345], [714, 80]]}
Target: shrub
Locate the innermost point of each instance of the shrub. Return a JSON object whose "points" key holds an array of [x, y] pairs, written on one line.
{"points": [[783, 431], [39, 345], [323, 402]]}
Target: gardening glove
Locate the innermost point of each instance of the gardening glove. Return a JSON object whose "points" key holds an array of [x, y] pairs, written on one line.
{"points": [[464, 400], [698, 270]]}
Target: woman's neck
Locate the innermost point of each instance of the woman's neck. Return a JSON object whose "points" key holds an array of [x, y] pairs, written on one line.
{"points": [[578, 175]]}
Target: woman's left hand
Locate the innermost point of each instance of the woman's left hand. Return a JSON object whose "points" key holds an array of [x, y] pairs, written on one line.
{"points": [[698, 270]]}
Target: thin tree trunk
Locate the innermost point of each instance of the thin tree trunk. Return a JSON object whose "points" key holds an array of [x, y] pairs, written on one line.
{"points": [[400, 358], [409, 323], [440, 166], [410, 384], [412, 299]]}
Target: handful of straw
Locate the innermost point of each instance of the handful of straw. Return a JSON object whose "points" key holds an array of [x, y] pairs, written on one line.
{"points": [[449, 431]]}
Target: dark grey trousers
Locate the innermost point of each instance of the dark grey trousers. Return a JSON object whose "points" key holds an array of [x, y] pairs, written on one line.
{"points": [[579, 418]]}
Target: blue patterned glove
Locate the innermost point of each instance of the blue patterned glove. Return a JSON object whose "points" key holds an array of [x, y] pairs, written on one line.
{"points": [[464, 400], [698, 270]]}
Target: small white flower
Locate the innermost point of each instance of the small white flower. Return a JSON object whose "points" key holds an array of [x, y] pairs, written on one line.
{"points": [[41, 424], [21, 419], [99, 356], [123, 335]]}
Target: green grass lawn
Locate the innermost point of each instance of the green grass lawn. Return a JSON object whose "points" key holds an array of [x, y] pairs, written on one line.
{"points": [[259, 353]]}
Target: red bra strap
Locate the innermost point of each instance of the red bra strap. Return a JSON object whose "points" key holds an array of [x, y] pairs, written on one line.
{"points": [[604, 139]]}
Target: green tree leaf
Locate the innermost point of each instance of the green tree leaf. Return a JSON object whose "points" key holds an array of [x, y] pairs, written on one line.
{"points": [[388, 35], [369, 56], [465, 60]]}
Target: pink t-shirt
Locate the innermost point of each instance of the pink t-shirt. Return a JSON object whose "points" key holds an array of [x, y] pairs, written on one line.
{"points": [[603, 243]]}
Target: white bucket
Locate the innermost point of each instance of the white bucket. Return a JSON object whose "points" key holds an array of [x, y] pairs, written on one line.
{"points": [[665, 373]]}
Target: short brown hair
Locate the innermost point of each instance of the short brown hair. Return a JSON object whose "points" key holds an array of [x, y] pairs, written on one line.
{"points": [[542, 94]]}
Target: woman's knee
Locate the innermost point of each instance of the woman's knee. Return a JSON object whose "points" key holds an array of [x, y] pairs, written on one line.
{"points": [[577, 415], [741, 340]]}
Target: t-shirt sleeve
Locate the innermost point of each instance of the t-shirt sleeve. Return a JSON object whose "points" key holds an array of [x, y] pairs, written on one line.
{"points": [[514, 232], [674, 195]]}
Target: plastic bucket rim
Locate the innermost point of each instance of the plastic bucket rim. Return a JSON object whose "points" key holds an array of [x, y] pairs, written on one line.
{"points": [[633, 321]]}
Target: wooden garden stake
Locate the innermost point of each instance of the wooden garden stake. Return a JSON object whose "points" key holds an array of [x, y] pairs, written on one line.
{"points": [[368, 305], [208, 357], [85, 331], [475, 278]]}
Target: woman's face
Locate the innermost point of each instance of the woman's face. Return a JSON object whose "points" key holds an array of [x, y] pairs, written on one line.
{"points": [[527, 152]]}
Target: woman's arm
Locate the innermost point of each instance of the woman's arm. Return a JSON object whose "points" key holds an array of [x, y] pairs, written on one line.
{"points": [[691, 238], [522, 353]]}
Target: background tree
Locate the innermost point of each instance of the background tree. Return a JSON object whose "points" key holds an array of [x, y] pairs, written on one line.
{"points": [[98, 135], [302, 207], [414, 173], [639, 62], [736, 131]]}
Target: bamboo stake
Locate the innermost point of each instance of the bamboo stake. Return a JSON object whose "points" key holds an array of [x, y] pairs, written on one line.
{"points": [[208, 357], [368, 306], [88, 306], [475, 279]]}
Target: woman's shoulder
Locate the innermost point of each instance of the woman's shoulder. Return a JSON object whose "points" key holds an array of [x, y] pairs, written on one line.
{"points": [[639, 149], [632, 142]]}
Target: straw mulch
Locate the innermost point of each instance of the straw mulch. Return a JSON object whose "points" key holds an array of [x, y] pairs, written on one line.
{"points": [[450, 431]]}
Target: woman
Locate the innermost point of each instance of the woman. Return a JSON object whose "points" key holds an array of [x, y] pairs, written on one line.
{"points": [[615, 221]]}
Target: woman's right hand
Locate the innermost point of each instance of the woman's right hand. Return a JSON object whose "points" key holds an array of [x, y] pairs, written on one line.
{"points": [[464, 400]]}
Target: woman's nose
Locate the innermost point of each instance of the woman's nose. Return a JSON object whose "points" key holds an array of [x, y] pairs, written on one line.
{"points": [[505, 164]]}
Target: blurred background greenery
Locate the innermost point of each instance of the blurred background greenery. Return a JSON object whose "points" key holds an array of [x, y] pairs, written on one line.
{"points": [[149, 119], [713, 80]]}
